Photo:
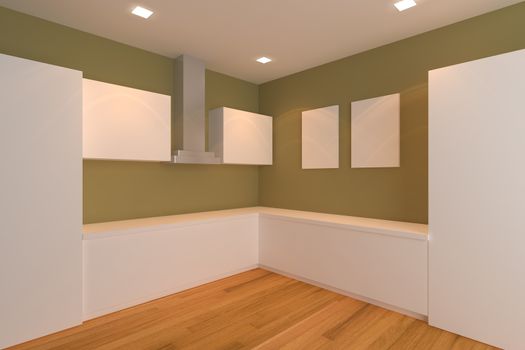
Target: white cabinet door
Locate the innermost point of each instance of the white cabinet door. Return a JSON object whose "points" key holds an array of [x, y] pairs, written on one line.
{"points": [[40, 199], [121, 123], [477, 199], [239, 137]]}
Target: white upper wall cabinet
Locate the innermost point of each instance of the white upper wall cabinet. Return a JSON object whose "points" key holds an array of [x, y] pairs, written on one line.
{"points": [[239, 137], [476, 199], [320, 138], [121, 123], [375, 132], [40, 199]]}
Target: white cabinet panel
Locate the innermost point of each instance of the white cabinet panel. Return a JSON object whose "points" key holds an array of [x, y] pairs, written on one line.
{"points": [[133, 261], [122, 123], [239, 137], [477, 191], [320, 138], [139, 265], [40, 199], [375, 132], [385, 268]]}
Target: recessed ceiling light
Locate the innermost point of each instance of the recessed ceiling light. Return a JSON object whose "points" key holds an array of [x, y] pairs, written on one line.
{"points": [[142, 12], [264, 60], [404, 5]]}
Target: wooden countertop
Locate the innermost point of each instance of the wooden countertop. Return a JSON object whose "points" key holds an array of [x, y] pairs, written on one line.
{"points": [[396, 228]]}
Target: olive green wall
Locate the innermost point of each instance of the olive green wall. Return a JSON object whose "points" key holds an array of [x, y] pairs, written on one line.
{"points": [[123, 190], [394, 193]]}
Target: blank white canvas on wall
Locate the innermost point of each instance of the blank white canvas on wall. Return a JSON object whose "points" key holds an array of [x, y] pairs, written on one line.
{"points": [[320, 138], [375, 132], [122, 123]]}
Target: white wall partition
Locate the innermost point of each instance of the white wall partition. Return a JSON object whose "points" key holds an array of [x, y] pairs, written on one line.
{"points": [[375, 132], [121, 123], [320, 138], [477, 191], [40, 199]]}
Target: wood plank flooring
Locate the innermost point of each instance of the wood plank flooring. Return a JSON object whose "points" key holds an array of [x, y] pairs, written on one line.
{"points": [[254, 310]]}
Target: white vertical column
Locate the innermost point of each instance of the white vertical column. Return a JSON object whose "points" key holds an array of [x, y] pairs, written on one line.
{"points": [[477, 191], [40, 199]]}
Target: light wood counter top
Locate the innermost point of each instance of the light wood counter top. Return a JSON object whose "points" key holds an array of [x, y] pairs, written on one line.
{"points": [[396, 228]]}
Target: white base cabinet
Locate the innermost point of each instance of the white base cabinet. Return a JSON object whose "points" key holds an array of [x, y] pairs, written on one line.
{"points": [[130, 262], [40, 199], [133, 266], [386, 268]]}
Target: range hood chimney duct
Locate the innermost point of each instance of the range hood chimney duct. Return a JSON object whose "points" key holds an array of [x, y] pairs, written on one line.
{"points": [[190, 121]]}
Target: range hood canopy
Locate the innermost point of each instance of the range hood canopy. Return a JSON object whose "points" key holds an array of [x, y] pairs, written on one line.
{"points": [[190, 121]]}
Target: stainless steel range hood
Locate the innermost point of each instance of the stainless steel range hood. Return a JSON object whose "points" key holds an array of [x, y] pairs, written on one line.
{"points": [[189, 118]]}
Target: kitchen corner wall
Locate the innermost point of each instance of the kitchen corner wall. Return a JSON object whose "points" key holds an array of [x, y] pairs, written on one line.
{"points": [[125, 190], [388, 193]]}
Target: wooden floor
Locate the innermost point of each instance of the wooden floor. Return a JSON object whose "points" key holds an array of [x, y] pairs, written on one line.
{"points": [[254, 310]]}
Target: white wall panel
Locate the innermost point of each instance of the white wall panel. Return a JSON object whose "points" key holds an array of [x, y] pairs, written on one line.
{"points": [[320, 138], [477, 191], [122, 123], [40, 199], [375, 132]]}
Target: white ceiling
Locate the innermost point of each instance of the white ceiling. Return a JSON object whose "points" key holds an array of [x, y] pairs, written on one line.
{"points": [[230, 34]]}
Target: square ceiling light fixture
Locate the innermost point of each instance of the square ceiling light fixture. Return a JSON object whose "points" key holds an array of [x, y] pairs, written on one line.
{"points": [[142, 12], [404, 5], [264, 60]]}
